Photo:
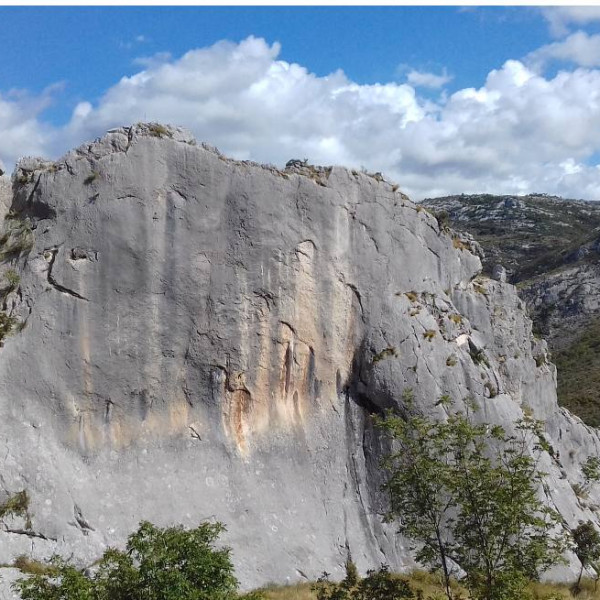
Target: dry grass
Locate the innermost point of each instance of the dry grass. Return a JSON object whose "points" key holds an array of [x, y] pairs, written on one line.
{"points": [[459, 244], [298, 591], [33, 567], [431, 585], [563, 591]]}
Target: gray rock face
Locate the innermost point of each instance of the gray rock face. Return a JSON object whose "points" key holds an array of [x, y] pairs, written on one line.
{"points": [[205, 338], [565, 301], [499, 273], [5, 196]]}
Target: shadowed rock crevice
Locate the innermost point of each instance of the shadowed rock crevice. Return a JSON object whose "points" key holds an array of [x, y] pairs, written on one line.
{"points": [[52, 281], [362, 386]]}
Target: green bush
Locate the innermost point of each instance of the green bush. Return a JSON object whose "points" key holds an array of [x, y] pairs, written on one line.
{"points": [[157, 564], [591, 470], [587, 547], [377, 585]]}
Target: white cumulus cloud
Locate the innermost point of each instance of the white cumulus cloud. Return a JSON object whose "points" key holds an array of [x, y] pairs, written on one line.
{"points": [[560, 18], [579, 48], [428, 80], [22, 132], [519, 132]]}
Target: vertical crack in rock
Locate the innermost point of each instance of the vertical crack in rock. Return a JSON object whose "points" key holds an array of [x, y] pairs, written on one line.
{"points": [[354, 470], [287, 368], [81, 521], [359, 299]]}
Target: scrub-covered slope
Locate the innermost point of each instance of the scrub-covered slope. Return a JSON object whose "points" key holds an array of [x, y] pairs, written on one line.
{"points": [[195, 337]]}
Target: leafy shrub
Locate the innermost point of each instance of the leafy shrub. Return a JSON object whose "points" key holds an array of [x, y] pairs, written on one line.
{"points": [[443, 219], [62, 581], [33, 567], [377, 585], [591, 469], [385, 353], [451, 361], [587, 546], [157, 564]]}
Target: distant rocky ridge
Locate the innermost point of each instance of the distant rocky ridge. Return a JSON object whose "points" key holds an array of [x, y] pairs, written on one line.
{"points": [[197, 337], [551, 249]]}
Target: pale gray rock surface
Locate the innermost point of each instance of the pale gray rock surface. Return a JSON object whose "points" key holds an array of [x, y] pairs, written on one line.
{"points": [[199, 340], [5, 196]]}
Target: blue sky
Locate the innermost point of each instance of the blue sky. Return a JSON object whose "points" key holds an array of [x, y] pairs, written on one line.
{"points": [[441, 99]]}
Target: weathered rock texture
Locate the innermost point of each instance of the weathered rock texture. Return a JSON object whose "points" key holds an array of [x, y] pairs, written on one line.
{"points": [[205, 338]]}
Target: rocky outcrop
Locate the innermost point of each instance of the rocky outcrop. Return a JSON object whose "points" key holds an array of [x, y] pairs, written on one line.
{"points": [[5, 196], [202, 338], [565, 301], [549, 247]]}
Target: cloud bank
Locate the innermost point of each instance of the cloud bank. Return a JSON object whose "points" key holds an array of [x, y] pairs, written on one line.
{"points": [[519, 132], [561, 18]]}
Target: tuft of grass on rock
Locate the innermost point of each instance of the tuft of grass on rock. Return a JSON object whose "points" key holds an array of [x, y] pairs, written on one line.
{"points": [[158, 130], [33, 567]]}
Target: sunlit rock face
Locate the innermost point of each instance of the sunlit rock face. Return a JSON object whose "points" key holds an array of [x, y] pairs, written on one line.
{"points": [[202, 338]]}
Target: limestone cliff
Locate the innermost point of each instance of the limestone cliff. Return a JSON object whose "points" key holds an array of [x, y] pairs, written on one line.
{"points": [[198, 337], [551, 251]]}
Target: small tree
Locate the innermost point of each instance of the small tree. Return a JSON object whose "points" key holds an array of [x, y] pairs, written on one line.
{"points": [[587, 547], [420, 494], [468, 494], [591, 470]]}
